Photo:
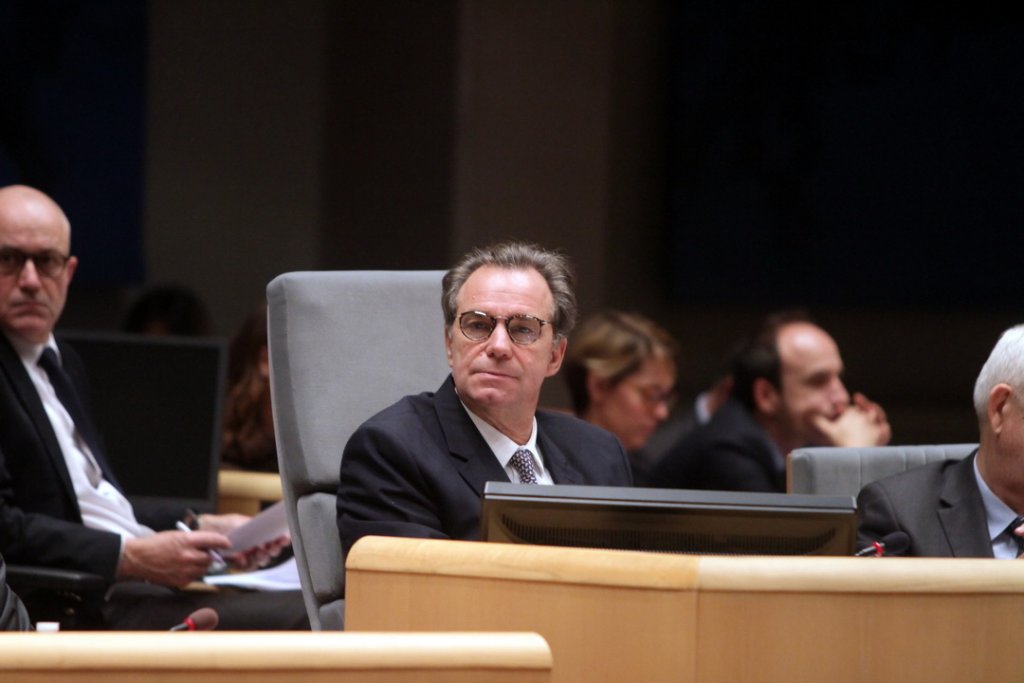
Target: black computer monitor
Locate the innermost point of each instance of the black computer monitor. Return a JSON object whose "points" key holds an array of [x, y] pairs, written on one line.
{"points": [[669, 520], [158, 403]]}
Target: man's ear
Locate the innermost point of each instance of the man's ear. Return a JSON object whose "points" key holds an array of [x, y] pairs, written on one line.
{"points": [[767, 398], [998, 405], [557, 354], [70, 267], [448, 344]]}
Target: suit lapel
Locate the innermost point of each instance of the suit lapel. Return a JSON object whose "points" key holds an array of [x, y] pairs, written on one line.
{"points": [[29, 399], [962, 512], [75, 370], [471, 454], [562, 471]]}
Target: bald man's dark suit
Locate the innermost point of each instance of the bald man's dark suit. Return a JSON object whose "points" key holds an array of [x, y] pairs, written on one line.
{"points": [[938, 505], [41, 523], [418, 468]]}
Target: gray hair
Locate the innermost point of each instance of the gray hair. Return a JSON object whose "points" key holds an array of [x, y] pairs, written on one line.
{"points": [[1004, 365], [553, 267]]}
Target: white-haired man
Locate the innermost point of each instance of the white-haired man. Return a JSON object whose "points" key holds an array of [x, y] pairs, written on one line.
{"points": [[972, 507]]}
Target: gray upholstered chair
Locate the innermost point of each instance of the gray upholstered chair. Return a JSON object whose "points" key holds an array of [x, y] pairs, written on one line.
{"points": [[844, 471], [343, 345]]}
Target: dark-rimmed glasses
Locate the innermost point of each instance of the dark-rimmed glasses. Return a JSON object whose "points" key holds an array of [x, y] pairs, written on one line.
{"points": [[48, 263], [522, 329]]}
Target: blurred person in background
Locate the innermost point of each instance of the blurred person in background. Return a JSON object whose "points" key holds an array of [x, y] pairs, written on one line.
{"points": [[168, 310], [248, 419], [787, 393], [621, 372]]}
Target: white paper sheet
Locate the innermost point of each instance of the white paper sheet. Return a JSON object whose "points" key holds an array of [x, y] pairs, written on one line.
{"points": [[283, 577], [270, 524]]}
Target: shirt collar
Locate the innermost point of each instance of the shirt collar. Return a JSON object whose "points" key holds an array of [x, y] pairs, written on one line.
{"points": [[29, 352], [998, 513], [502, 446]]}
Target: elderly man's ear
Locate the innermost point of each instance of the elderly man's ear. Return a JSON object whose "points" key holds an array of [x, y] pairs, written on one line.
{"points": [[1000, 405]]}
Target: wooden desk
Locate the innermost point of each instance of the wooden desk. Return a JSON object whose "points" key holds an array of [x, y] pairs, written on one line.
{"points": [[617, 616], [226, 657], [608, 616]]}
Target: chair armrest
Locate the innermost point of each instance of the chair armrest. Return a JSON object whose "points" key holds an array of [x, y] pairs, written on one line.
{"points": [[22, 576]]}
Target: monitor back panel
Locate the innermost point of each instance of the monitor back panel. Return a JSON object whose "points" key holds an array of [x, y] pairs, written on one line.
{"points": [[158, 403], [669, 520]]}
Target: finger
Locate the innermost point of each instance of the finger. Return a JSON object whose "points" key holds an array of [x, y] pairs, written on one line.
{"points": [[206, 539]]}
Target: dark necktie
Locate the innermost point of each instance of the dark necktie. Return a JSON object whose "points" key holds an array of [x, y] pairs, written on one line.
{"points": [[69, 397], [522, 463], [1016, 539]]}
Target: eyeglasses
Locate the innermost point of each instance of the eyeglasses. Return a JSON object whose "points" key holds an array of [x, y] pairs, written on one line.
{"points": [[48, 263], [653, 397], [522, 329]]}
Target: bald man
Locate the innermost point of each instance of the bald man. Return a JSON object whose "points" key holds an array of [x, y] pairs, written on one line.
{"points": [[970, 507], [788, 392], [60, 504]]}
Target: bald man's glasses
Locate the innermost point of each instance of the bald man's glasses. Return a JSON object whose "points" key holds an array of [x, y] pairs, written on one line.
{"points": [[522, 329], [48, 263]]}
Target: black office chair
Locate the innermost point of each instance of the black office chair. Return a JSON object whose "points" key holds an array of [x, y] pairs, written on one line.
{"points": [[71, 598]]}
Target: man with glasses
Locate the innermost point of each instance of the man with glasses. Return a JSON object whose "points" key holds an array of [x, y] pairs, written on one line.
{"points": [[60, 504], [418, 468]]}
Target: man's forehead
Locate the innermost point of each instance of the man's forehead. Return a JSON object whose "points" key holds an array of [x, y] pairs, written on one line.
{"points": [[496, 282], [805, 347], [27, 213]]}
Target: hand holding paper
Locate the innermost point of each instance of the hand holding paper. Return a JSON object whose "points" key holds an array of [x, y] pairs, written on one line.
{"points": [[255, 540]]}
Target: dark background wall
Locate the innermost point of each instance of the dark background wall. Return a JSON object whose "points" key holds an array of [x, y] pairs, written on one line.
{"points": [[397, 134]]}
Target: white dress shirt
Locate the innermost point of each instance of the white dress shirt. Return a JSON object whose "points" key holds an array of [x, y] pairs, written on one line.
{"points": [[504, 448], [102, 505], [999, 516]]}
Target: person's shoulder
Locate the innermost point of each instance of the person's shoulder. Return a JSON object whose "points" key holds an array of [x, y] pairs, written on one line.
{"points": [[732, 428], [408, 407], [917, 479], [556, 422]]}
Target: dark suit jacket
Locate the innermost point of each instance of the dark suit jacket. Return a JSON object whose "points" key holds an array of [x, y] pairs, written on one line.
{"points": [[938, 505], [418, 468], [730, 453], [40, 522]]}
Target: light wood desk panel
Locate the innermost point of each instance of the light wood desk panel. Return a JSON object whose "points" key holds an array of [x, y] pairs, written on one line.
{"points": [[620, 616], [226, 657], [857, 619], [607, 616]]}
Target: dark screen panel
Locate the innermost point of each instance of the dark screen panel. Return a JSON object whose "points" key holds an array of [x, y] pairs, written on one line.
{"points": [[159, 404], [669, 521]]}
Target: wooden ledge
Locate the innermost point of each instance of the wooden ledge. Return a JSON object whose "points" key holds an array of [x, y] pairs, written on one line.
{"points": [[289, 651], [860, 575], [684, 572], [524, 562], [264, 486]]}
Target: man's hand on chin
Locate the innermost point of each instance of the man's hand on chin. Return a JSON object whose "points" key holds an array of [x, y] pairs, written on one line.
{"points": [[863, 423]]}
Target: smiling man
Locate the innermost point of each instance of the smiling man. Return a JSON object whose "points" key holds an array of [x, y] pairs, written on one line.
{"points": [[787, 392], [418, 468]]}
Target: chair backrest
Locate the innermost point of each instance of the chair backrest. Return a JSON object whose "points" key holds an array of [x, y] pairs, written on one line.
{"points": [[845, 471], [343, 345]]}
